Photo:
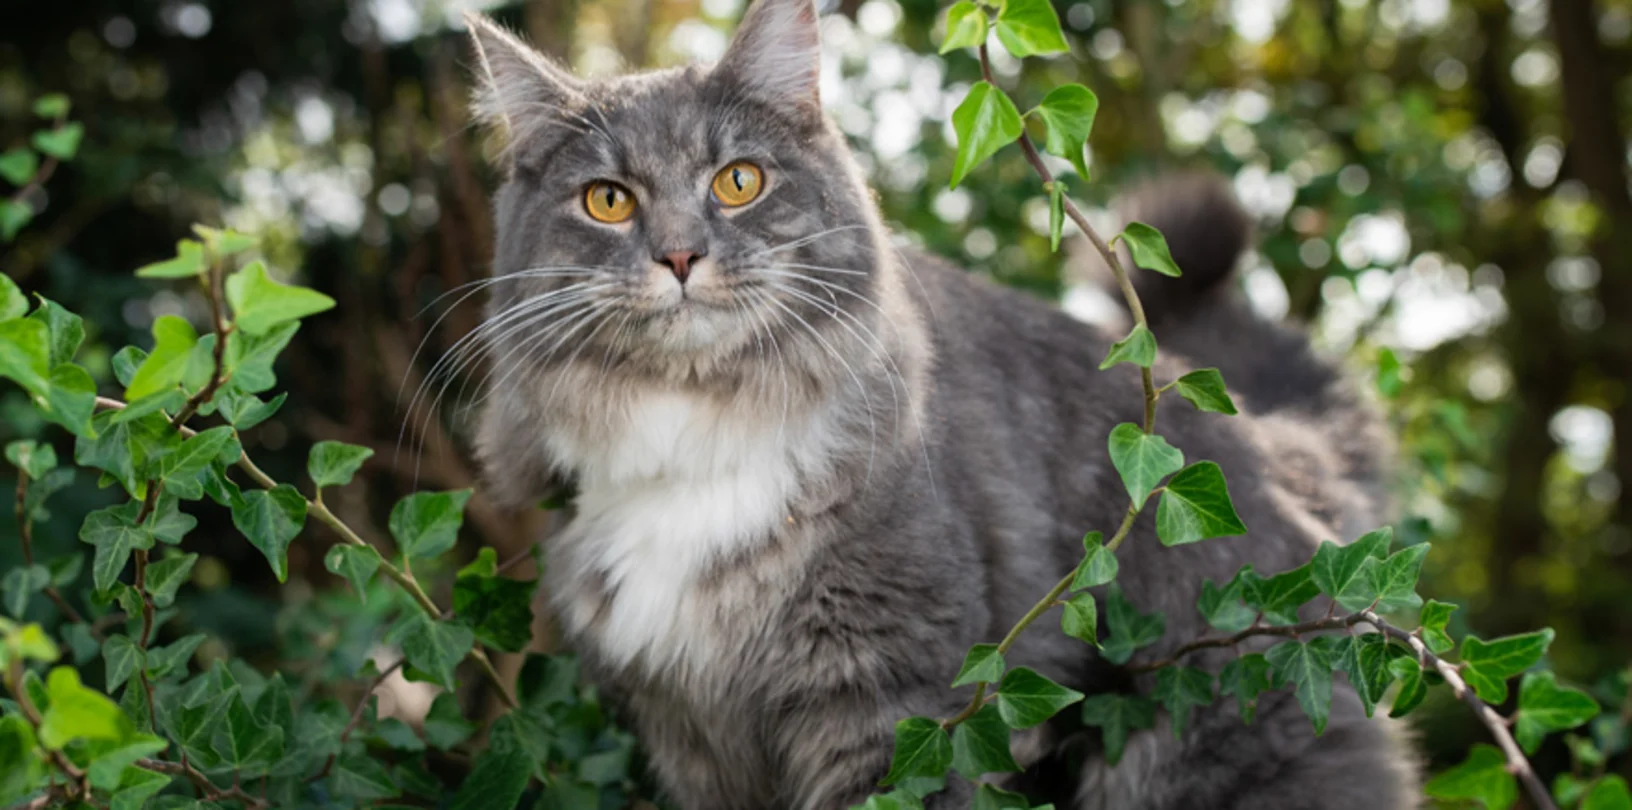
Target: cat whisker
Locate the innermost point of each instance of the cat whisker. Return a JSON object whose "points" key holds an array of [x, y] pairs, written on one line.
{"points": [[872, 425]]}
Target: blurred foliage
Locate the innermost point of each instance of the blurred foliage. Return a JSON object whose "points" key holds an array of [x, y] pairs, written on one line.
{"points": [[1437, 185]]}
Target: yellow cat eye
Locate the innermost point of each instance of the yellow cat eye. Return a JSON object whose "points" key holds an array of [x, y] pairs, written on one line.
{"points": [[738, 184], [609, 202]]}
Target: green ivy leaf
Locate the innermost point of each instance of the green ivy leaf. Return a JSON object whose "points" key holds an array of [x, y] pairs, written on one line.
{"points": [[1486, 665], [168, 523], [244, 742], [25, 354], [496, 782], [1026, 698], [32, 457], [1205, 390], [1138, 348], [22, 769], [1142, 459], [115, 533], [188, 262], [18, 165], [51, 105], [333, 464], [356, 563], [1435, 616], [1413, 687], [1117, 716], [1397, 579], [136, 786], [174, 339], [1482, 777], [1098, 565], [426, 524], [988, 797], [394, 733], [1348, 573], [259, 303], [61, 143], [1222, 607], [1389, 377], [922, 749], [71, 399], [270, 519], [30, 643], [1196, 506], [1149, 249], [1127, 629], [173, 657], [433, 647], [1030, 28], [20, 584], [1069, 112], [66, 329], [965, 27], [1546, 707], [1365, 660], [982, 663], [78, 713], [985, 122], [1279, 597], [980, 745], [445, 725], [1056, 214], [180, 468], [1080, 619], [499, 610], [1181, 689], [244, 411], [109, 760], [13, 304], [166, 576], [122, 659], [225, 241], [13, 216], [1308, 667], [250, 357], [1246, 678], [192, 724], [361, 778], [1608, 793]]}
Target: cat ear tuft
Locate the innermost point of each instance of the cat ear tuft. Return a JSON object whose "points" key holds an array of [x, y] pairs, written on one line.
{"points": [[777, 53], [519, 90]]}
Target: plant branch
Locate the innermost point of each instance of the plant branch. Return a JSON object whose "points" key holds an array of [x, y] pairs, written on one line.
{"points": [[357, 716], [1284, 631], [207, 789]]}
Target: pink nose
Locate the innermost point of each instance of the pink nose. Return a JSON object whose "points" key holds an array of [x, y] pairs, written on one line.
{"points": [[679, 262]]}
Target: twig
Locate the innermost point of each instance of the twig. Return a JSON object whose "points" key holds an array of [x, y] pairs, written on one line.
{"points": [[1285, 631], [207, 789], [357, 716]]}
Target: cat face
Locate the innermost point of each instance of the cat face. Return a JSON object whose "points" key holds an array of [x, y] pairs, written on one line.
{"points": [[683, 217]]}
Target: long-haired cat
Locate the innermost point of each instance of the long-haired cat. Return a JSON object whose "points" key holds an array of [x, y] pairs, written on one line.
{"points": [[813, 469]]}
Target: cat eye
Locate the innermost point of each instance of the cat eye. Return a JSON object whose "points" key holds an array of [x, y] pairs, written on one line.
{"points": [[738, 184], [609, 202]]}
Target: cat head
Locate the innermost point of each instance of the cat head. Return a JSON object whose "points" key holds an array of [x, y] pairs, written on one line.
{"points": [[676, 219]]}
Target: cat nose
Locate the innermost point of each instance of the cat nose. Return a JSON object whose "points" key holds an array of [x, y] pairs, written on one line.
{"points": [[679, 262]]}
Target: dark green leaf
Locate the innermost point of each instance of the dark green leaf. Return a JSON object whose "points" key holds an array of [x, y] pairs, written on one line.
{"points": [[1349, 573], [496, 783], [1196, 506], [20, 584], [1205, 390], [1180, 689], [1080, 619], [361, 779], [1223, 608], [1413, 688], [1546, 707], [32, 457], [1609, 793], [1118, 715], [1098, 565], [1056, 214], [1127, 629], [922, 749], [433, 647], [259, 303], [1069, 112], [1365, 660], [1026, 698], [1246, 678], [1397, 579], [445, 725], [1141, 459], [1308, 667], [985, 122], [425, 524], [180, 468], [166, 576], [1030, 28], [980, 745], [244, 411], [332, 464], [1279, 597], [115, 534], [1435, 616], [988, 797], [61, 143], [169, 524], [22, 769], [982, 663], [1138, 348], [173, 657], [136, 786], [1486, 665], [1149, 249], [499, 610], [123, 659], [356, 563], [965, 27], [399, 735], [109, 760], [270, 519], [1482, 777], [244, 742], [66, 329]]}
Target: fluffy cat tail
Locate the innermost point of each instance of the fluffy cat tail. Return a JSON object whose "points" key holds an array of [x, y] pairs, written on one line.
{"points": [[1207, 231]]}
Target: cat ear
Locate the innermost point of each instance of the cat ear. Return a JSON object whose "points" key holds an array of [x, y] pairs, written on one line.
{"points": [[519, 89], [777, 54]]}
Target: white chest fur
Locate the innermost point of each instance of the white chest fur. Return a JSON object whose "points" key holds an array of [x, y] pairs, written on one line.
{"points": [[671, 484]]}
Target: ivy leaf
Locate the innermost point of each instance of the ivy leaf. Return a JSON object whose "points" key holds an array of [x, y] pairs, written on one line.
{"points": [[259, 303], [922, 749], [20, 584], [1030, 28], [1546, 707], [244, 742], [78, 713], [115, 533], [168, 523], [984, 123], [250, 357], [1486, 665], [32, 457], [1222, 607], [51, 105], [1056, 214], [445, 725], [1365, 659], [965, 27], [1608, 793], [1308, 667], [1069, 112], [1127, 629], [13, 304], [1142, 459], [25, 354], [499, 610], [135, 787], [1118, 715], [244, 411], [188, 262], [1482, 777], [1180, 689], [433, 647], [1138, 348], [1080, 620], [270, 518], [71, 399], [1026, 698], [496, 782], [13, 216], [1205, 390], [109, 760], [1397, 579], [1149, 249], [1279, 597], [192, 724], [356, 563], [174, 339], [362, 779], [66, 330], [425, 524], [22, 769], [1348, 573], [18, 165], [988, 797], [980, 745], [333, 464], [1246, 678], [1196, 506], [162, 661], [122, 659], [1413, 687], [180, 468], [982, 663], [1435, 616], [225, 241], [61, 143], [166, 576], [1098, 565]]}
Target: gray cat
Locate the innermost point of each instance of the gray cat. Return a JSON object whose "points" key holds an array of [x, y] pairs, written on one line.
{"points": [[812, 469]]}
